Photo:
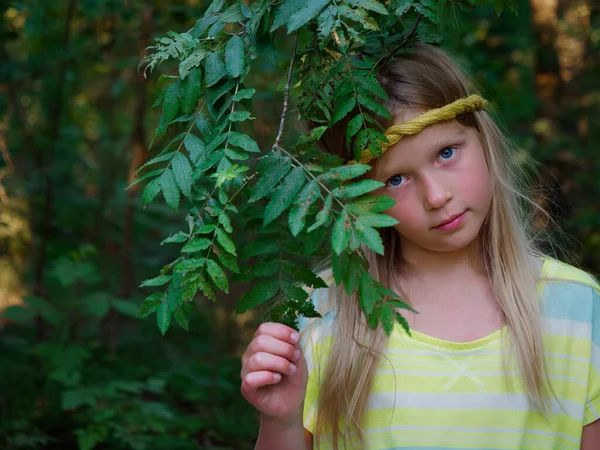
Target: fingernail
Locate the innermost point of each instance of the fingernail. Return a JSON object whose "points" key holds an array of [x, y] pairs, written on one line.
{"points": [[295, 337], [296, 355], [292, 368], [276, 377]]}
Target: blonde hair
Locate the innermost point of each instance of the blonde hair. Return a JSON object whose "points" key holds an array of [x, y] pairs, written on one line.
{"points": [[429, 78]]}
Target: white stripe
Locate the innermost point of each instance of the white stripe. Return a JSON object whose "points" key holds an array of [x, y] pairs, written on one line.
{"points": [[467, 401], [565, 327]]}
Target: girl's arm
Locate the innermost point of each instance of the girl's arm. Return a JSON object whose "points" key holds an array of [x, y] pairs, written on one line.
{"points": [[275, 435], [590, 439]]}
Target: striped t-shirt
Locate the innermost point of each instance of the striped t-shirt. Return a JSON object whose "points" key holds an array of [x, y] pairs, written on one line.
{"points": [[435, 394]]}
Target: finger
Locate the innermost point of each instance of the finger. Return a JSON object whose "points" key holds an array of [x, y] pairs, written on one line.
{"points": [[278, 331], [268, 344], [267, 361], [255, 380]]}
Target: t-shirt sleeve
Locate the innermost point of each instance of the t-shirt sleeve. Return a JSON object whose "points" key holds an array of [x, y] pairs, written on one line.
{"points": [[592, 406], [316, 339]]}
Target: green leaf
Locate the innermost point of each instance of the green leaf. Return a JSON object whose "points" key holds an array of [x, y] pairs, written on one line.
{"points": [[214, 69], [205, 229], [367, 293], [126, 308], [150, 305], [340, 236], [225, 240], [266, 268], [339, 266], [151, 190], [178, 237], [402, 321], [171, 102], [243, 141], [277, 169], [372, 85], [325, 22], [225, 221], [239, 116], [310, 10], [285, 11], [370, 204], [195, 146], [294, 292], [343, 108], [190, 91], [322, 215], [377, 220], [190, 64], [387, 319], [243, 94], [400, 304], [353, 127], [356, 189], [182, 170], [284, 195], [157, 281], [196, 245], [169, 188], [344, 173], [370, 237], [303, 274], [207, 160], [232, 14], [147, 175], [235, 56], [356, 266], [374, 106], [19, 314], [259, 293], [189, 265], [305, 199], [217, 275], [228, 260], [163, 317]]}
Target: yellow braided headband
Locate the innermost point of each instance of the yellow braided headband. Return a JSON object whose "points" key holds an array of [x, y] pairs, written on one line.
{"points": [[414, 126]]}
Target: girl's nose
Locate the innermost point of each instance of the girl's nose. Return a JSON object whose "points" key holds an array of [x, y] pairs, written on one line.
{"points": [[436, 195]]}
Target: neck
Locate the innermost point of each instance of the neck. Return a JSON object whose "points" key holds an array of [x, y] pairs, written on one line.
{"points": [[424, 263]]}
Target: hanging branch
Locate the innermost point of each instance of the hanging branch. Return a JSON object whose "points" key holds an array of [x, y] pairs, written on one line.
{"points": [[286, 96]]}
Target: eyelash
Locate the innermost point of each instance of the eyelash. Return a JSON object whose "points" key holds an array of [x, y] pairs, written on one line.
{"points": [[439, 156]]}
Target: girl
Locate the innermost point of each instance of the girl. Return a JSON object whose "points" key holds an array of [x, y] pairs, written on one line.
{"points": [[504, 351]]}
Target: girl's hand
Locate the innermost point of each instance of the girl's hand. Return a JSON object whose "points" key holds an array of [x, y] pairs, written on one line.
{"points": [[274, 373]]}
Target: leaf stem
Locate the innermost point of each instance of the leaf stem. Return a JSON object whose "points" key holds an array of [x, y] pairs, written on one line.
{"points": [[286, 96]]}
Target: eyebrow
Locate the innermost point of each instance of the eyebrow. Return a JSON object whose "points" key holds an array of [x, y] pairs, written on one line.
{"points": [[449, 138]]}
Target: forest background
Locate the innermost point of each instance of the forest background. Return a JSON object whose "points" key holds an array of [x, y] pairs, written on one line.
{"points": [[78, 370]]}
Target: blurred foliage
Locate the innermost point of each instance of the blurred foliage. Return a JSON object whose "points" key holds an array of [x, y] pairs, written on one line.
{"points": [[78, 371]]}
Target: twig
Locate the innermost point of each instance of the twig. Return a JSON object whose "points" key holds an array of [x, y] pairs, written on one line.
{"points": [[411, 32], [286, 97]]}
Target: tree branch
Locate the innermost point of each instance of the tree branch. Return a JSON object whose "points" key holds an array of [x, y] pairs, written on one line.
{"points": [[411, 32], [286, 97]]}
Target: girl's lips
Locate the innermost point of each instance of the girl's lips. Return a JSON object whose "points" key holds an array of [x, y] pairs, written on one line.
{"points": [[452, 223]]}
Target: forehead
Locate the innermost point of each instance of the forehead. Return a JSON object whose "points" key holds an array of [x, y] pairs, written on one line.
{"points": [[412, 149]]}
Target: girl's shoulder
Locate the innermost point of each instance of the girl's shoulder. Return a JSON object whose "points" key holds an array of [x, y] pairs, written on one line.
{"points": [[555, 271]]}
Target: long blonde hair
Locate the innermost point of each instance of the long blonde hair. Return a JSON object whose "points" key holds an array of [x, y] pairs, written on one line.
{"points": [[428, 77]]}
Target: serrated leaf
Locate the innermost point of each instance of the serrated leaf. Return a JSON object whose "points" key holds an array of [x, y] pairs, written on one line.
{"points": [[239, 116], [322, 215], [294, 292], [367, 293], [189, 265], [374, 106], [275, 172], [147, 175], [305, 199], [225, 221], [259, 294], [207, 161], [325, 22], [217, 275], [195, 146], [310, 10], [243, 141], [206, 287], [256, 248], [169, 188], [400, 304], [353, 127], [228, 260], [214, 69], [151, 190], [182, 170], [372, 85], [225, 240], [370, 204], [285, 11], [157, 281], [243, 94], [370, 237], [178, 237], [191, 63], [344, 173], [377, 220], [356, 266], [266, 268], [205, 229], [387, 319], [359, 188], [235, 56], [402, 321], [171, 102], [150, 305], [196, 244], [371, 5], [232, 14], [304, 275], [163, 317], [339, 266], [181, 318], [343, 108], [341, 232], [190, 91], [284, 195]]}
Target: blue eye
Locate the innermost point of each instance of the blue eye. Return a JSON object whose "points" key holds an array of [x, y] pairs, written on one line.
{"points": [[396, 180], [448, 152]]}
